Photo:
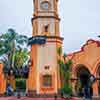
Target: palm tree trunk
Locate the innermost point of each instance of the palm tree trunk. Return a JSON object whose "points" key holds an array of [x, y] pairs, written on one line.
{"points": [[13, 54], [9, 60]]}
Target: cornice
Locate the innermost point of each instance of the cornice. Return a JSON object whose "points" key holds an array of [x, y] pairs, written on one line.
{"points": [[36, 17]]}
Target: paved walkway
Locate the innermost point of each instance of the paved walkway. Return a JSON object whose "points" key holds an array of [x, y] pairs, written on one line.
{"points": [[26, 98]]}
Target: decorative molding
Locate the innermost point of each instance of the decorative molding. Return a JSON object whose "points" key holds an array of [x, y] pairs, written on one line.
{"points": [[42, 39], [36, 17]]}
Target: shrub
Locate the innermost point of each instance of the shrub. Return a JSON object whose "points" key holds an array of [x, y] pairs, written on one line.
{"points": [[67, 89], [21, 83]]}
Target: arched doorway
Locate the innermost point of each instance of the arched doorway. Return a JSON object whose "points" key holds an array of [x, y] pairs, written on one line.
{"points": [[83, 76]]}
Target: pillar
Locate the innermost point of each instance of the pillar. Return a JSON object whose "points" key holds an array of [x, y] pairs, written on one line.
{"points": [[95, 89], [2, 80]]}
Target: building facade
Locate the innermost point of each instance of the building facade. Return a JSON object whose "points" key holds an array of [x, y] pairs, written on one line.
{"points": [[44, 75], [86, 63]]}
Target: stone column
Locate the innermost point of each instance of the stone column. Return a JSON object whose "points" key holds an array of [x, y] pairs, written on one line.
{"points": [[95, 89], [73, 87]]}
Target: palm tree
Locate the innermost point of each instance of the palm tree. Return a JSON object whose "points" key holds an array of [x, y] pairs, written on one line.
{"points": [[9, 43], [60, 62], [21, 57], [65, 68]]}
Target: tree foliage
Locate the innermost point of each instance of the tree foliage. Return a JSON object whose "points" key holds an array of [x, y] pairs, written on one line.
{"points": [[65, 73], [21, 56], [12, 47]]}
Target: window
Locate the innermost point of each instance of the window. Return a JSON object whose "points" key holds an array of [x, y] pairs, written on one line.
{"points": [[46, 28], [47, 80]]}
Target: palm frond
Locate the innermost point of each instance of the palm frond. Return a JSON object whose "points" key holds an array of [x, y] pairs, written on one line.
{"points": [[59, 50]]}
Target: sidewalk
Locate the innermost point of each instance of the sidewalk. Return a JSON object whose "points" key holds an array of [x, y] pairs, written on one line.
{"points": [[26, 98]]}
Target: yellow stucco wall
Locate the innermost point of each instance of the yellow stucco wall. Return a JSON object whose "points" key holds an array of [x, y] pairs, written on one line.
{"points": [[46, 54], [2, 80], [89, 56], [41, 56]]}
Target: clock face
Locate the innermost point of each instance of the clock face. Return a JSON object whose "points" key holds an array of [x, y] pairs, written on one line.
{"points": [[45, 5]]}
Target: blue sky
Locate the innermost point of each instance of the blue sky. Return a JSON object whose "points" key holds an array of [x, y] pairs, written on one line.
{"points": [[80, 20]]}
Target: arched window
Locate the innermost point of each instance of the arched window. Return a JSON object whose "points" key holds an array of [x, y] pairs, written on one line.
{"points": [[47, 80], [46, 28]]}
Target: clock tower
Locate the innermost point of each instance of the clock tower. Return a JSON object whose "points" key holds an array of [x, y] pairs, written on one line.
{"points": [[44, 77]]}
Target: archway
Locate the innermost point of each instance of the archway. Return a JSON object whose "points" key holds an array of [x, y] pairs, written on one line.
{"points": [[83, 76]]}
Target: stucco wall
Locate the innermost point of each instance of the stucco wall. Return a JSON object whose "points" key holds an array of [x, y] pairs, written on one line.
{"points": [[89, 57]]}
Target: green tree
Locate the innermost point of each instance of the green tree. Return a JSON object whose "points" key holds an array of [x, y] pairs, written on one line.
{"points": [[65, 73], [21, 58], [10, 42]]}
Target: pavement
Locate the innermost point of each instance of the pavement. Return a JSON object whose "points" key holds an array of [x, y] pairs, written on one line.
{"points": [[26, 98]]}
